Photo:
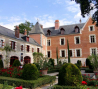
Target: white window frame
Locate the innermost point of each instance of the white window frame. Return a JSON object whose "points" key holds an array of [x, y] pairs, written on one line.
{"points": [[43, 41], [47, 42], [93, 28], [61, 52], [62, 38], [75, 39], [91, 50], [80, 52], [90, 38], [50, 53]]}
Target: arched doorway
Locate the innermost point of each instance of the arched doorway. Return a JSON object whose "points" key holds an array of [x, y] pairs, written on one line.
{"points": [[12, 59], [0, 56], [27, 60]]}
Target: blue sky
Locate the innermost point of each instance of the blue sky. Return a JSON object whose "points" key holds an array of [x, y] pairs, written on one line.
{"points": [[14, 12]]}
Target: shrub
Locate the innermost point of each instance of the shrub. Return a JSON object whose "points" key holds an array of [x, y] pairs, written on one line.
{"points": [[1, 64], [16, 63], [69, 74], [30, 72], [37, 65], [51, 61], [87, 62], [28, 84], [88, 70], [79, 62]]}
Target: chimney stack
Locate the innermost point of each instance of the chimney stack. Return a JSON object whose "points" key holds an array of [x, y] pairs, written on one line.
{"points": [[17, 32], [56, 24], [25, 32]]}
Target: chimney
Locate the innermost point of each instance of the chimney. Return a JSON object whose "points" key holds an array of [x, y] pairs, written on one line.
{"points": [[17, 32], [56, 24], [25, 32], [41, 26]]}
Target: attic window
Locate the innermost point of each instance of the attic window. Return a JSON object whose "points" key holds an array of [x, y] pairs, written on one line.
{"points": [[62, 30], [76, 29], [48, 32]]}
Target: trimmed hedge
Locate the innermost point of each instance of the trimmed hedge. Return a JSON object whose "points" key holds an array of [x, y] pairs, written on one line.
{"points": [[53, 70], [72, 87], [28, 83], [89, 71]]}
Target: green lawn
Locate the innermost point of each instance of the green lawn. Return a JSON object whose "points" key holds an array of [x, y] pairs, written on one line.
{"points": [[5, 86]]}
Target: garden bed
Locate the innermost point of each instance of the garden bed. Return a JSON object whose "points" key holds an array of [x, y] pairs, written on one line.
{"points": [[28, 83], [73, 87]]}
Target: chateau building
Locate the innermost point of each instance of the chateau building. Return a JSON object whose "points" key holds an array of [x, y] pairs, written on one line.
{"points": [[82, 39]]}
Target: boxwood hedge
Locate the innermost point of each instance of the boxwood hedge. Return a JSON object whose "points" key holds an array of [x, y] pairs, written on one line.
{"points": [[28, 83]]}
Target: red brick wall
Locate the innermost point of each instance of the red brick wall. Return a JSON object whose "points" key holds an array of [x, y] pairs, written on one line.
{"points": [[36, 37], [85, 45]]}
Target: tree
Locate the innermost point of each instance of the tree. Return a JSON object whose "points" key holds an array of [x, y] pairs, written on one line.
{"points": [[27, 25], [7, 49], [86, 6], [68, 51], [57, 55]]}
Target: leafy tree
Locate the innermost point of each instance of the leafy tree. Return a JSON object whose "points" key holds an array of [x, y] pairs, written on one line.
{"points": [[27, 25], [86, 6], [57, 55], [7, 49], [37, 56]]}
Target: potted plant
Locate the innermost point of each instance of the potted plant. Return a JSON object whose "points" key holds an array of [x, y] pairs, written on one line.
{"points": [[94, 61], [44, 64]]}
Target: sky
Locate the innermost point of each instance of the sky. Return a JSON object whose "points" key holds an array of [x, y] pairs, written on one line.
{"points": [[14, 12]]}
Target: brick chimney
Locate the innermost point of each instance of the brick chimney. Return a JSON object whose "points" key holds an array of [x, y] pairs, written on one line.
{"points": [[41, 26], [17, 32], [25, 32], [56, 24]]}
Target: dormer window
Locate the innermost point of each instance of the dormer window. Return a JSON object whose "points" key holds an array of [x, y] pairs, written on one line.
{"points": [[48, 32], [76, 29], [62, 30], [27, 39]]}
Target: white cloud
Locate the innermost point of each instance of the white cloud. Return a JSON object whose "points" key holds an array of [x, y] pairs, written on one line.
{"points": [[48, 21]]}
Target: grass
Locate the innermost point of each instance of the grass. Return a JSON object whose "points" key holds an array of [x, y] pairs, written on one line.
{"points": [[2, 86]]}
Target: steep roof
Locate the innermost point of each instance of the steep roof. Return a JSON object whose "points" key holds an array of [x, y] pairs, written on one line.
{"points": [[69, 29], [9, 33], [36, 29]]}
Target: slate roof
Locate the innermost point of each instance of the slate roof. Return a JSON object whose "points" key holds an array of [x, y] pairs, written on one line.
{"points": [[37, 29], [69, 29], [9, 33]]}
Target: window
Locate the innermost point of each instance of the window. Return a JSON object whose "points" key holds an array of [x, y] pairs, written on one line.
{"points": [[32, 50], [76, 29], [28, 47], [21, 47], [27, 39], [91, 28], [77, 40], [1, 43], [70, 53], [38, 50], [48, 53], [93, 51], [78, 52], [48, 42], [12, 44], [92, 38], [62, 41], [48, 32], [62, 53], [62, 31]]}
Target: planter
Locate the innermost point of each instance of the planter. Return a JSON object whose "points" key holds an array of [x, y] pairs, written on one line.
{"points": [[44, 71], [96, 74]]}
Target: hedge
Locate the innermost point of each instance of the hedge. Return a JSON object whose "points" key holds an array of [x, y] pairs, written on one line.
{"points": [[28, 83], [73, 87], [89, 71]]}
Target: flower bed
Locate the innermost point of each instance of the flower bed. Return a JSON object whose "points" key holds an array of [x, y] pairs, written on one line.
{"points": [[14, 72]]}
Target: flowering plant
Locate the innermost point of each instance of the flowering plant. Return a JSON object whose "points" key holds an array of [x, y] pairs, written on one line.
{"points": [[15, 72], [19, 87], [84, 83]]}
